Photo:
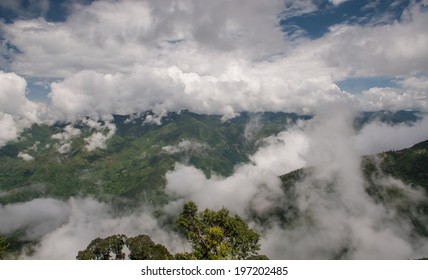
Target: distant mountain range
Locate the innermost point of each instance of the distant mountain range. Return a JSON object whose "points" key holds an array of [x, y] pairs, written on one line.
{"points": [[133, 155]]}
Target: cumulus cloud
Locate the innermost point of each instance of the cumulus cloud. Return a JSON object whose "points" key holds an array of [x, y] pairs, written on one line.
{"points": [[65, 138], [392, 99], [8, 129], [216, 58], [415, 84], [382, 50], [13, 100], [98, 139], [134, 29], [16, 111]]}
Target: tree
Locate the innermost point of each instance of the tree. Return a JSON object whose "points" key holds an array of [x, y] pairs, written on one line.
{"points": [[3, 246], [216, 234], [140, 247], [104, 249]]}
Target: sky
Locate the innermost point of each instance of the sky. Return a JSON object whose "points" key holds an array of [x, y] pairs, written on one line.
{"points": [[63, 60], [70, 59]]}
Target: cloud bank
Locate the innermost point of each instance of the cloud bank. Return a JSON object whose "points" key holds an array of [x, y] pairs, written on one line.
{"points": [[62, 228], [337, 218], [124, 57]]}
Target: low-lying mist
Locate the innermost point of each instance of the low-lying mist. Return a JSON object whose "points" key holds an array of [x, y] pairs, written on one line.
{"points": [[337, 218]]}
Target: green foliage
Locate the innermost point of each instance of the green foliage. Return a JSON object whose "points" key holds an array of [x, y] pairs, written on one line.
{"points": [[216, 234], [104, 249], [258, 257], [185, 256], [410, 165], [3, 246], [140, 247]]}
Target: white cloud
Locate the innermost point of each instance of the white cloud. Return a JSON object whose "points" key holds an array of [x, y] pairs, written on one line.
{"points": [[13, 100], [221, 58], [391, 99], [112, 36], [8, 129], [16, 111], [98, 139], [257, 183], [335, 212], [65, 138], [38, 217], [337, 2], [379, 137], [395, 49], [415, 84], [25, 156], [65, 227], [186, 148]]}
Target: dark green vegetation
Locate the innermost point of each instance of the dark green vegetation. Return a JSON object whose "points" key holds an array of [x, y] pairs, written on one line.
{"points": [[214, 235], [3, 246], [140, 247], [388, 117], [134, 163], [410, 165]]}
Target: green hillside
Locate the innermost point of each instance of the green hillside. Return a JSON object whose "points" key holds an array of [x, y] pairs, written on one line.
{"points": [[134, 162]]}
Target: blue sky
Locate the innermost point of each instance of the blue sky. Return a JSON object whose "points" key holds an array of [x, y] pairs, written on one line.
{"points": [[360, 12], [85, 57]]}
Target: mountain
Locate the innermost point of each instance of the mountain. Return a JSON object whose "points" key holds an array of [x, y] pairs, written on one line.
{"points": [[398, 180], [123, 161], [58, 161], [54, 160], [397, 117]]}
